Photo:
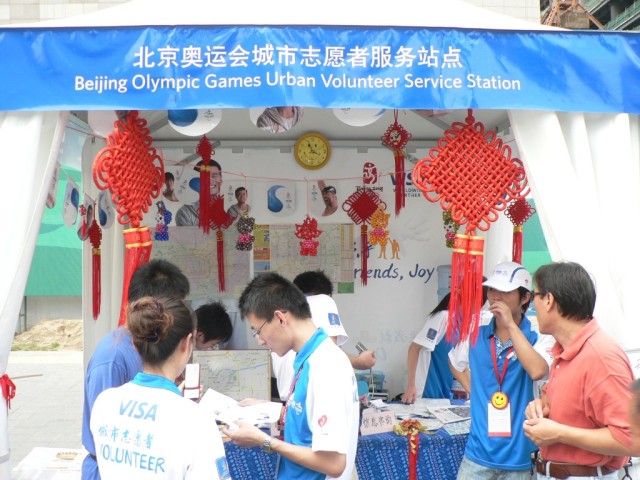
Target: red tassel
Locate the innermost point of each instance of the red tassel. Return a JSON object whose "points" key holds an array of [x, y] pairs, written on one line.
{"points": [[220, 254], [414, 441], [516, 255], [364, 252], [400, 200], [466, 289], [137, 252], [95, 237], [205, 211], [8, 389]]}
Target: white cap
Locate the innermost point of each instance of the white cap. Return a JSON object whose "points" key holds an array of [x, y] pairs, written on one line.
{"points": [[508, 276]]}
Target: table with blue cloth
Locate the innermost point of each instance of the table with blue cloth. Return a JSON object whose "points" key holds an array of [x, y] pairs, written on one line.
{"points": [[384, 456]]}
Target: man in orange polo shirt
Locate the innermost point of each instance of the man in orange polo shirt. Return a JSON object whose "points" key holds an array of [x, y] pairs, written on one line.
{"points": [[581, 421]]}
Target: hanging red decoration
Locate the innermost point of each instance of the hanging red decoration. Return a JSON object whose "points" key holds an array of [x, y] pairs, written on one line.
{"points": [[133, 172], [450, 228], [396, 138], [411, 428], [95, 237], [519, 211], [472, 174], [219, 219], [308, 232], [206, 151], [360, 206], [163, 219], [8, 389], [379, 235], [245, 226]]}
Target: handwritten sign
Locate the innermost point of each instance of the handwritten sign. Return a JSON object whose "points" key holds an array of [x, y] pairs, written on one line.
{"points": [[377, 421]]}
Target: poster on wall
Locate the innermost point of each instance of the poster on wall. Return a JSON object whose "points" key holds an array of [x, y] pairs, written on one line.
{"points": [[195, 254], [276, 249]]}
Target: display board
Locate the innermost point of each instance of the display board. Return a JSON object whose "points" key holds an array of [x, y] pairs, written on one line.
{"points": [[236, 373]]}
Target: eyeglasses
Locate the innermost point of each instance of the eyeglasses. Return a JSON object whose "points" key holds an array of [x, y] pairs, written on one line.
{"points": [[256, 333]]}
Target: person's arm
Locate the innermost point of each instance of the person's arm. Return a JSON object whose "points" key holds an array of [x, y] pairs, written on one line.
{"points": [[411, 393], [543, 431], [463, 377], [327, 463], [459, 364], [363, 361], [534, 364]]}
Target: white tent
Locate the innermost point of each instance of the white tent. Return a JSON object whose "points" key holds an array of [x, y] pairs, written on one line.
{"points": [[583, 167]]}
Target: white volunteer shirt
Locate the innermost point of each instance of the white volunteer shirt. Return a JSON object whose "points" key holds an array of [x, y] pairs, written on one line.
{"points": [[324, 313], [151, 432]]}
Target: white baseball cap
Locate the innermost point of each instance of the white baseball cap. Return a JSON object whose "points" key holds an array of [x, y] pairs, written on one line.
{"points": [[508, 276]]}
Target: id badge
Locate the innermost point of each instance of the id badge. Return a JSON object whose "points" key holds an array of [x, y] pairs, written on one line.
{"points": [[499, 420]]}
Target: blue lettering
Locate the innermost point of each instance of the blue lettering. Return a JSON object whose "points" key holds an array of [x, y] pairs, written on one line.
{"points": [[123, 407], [141, 408], [132, 458], [151, 414]]}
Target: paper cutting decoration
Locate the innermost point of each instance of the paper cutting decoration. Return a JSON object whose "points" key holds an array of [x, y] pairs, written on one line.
{"points": [[95, 237], [396, 138], [308, 231], [245, 226], [450, 228], [519, 211], [472, 174], [360, 206], [133, 172], [380, 236], [163, 219]]}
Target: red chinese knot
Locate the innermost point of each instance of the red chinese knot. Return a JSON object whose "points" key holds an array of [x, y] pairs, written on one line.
{"points": [[130, 168], [471, 173]]}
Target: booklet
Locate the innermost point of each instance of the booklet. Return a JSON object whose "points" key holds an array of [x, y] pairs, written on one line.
{"points": [[225, 409]]}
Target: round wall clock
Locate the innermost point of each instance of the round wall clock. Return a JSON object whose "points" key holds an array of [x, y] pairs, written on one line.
{"points": [[312, 150]]}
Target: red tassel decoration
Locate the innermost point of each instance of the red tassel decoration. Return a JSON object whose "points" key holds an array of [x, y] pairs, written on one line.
{"points": [[360, 206], [220, 254], [472, 174], [133, 172], [95, 237], [466, 288], [364, 250], [518, 212], [396, 138], [137, 252], [205, 213]]}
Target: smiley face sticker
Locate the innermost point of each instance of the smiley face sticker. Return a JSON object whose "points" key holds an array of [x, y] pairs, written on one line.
{"points": [[499, 400]]}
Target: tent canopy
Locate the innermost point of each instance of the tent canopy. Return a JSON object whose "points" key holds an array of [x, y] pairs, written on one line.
{"points": [[459, 57], [454, 56]]}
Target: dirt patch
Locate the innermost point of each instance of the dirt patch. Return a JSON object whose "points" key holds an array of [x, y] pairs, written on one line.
{"points": [[51, 335]]}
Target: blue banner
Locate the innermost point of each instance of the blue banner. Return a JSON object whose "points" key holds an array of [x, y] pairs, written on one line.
{"points": [[158, 68]]}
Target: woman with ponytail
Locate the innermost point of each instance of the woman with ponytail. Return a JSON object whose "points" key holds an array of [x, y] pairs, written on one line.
{"points": [[146, 428]]}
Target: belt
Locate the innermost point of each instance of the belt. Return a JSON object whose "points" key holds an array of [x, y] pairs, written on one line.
{"points": [[565, 470]]}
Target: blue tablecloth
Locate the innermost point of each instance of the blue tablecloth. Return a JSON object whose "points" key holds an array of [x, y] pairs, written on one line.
{"points": [[386, 456], [380, 457]]}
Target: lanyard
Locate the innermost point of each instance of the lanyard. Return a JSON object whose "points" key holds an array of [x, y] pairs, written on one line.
{"points": [[283, 415], [494, 357]]}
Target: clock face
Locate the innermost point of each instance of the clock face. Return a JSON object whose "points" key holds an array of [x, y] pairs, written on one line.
{"points": [[312, 150]]}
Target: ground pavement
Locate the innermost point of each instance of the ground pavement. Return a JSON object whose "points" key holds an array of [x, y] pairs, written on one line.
{"points": [[47, 408]]}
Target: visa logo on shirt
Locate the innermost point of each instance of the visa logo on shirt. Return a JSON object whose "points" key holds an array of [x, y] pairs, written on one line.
{"points": [[135, 409], [334, 319]]}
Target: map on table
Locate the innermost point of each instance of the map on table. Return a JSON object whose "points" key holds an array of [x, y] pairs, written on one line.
{"points": [[238, 374]]}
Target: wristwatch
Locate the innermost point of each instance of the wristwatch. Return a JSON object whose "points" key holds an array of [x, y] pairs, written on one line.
{"points": [[266, 445]]}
